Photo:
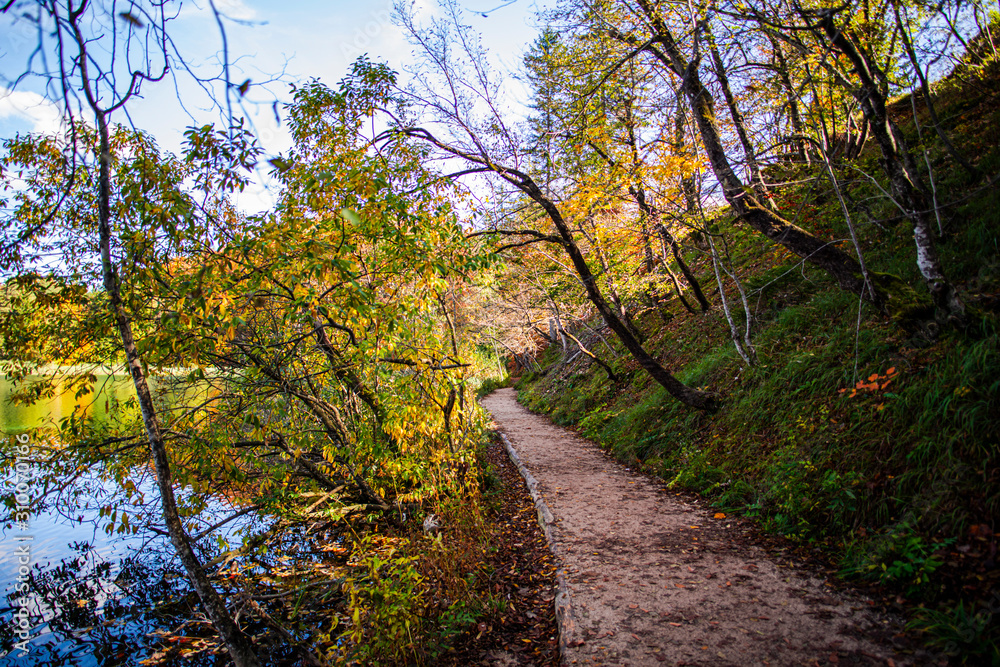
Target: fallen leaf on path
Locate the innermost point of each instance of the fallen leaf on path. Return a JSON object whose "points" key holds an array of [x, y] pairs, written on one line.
{"points": [[720, 515]]}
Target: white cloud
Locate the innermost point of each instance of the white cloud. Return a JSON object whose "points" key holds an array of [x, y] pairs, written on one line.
{"points": [[43, 115], [232, 9], [236, 9]]}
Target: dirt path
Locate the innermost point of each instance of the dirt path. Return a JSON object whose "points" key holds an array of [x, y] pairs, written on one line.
{"points": [[653, 578]]}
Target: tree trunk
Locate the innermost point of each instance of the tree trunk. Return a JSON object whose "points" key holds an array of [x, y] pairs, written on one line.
{"points": [[673, 279], [694, 398], [824, 254], [353, 382], [899, 166], [675, 250], [240, 648], [973, 173], [756, 178], [615, 298], [648, 212], [791, 99], [648, 263], [747, 353], [687, 395], [453, 337], [688, 188], [594, 357]]}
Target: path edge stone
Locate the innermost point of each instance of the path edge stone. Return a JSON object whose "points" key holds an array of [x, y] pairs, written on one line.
{"points": [[546, 520]]}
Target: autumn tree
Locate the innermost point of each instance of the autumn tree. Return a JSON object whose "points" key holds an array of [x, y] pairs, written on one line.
{"points": [[621, 148], [313, 337], [675, 41], [340, 297], [458, 95], [867, 81], [100, 227]]}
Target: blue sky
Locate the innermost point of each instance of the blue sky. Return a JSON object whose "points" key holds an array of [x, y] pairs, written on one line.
{"points": [[303, 38]]}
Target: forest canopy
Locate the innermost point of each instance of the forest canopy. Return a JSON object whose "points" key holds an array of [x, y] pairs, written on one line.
{"points": [[694, 193]]}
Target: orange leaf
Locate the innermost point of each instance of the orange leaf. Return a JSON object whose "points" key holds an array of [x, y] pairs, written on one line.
{"points": [[720, 515], [891, 371], [873, 377]]}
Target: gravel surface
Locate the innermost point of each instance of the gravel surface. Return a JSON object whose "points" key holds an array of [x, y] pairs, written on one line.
{"points": [[654, 577]]}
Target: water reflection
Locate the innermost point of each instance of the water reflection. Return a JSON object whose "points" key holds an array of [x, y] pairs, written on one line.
{"points": [[94, 610], [94, 598], [105, 400], [109, 393]]}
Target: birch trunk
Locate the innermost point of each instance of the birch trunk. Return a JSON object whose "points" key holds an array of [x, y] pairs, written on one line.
{"points": [[746, 353], [899, 166], [240, 648]]}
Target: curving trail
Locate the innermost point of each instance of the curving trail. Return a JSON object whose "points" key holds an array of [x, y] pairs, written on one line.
{"points": [[652, 578]]}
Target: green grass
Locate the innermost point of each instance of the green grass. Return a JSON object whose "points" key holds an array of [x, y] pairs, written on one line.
{"points": [[888, 478]]}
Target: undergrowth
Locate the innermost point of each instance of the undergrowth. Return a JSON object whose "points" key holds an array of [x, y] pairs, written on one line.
{"points": [[417, 588], [877, 443]]}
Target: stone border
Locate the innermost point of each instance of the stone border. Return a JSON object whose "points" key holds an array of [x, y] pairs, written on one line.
{"points": [[564, 611]]}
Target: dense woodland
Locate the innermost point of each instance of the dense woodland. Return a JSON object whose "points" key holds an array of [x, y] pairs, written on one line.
{"points": [[748, 246]]}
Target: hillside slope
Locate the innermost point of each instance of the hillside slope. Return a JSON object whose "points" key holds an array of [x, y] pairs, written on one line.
{"points": [[869, 437]]}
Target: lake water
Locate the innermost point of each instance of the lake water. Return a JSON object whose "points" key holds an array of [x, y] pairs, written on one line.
{"points": [[90, 598], [88, 595], [109, 391]]}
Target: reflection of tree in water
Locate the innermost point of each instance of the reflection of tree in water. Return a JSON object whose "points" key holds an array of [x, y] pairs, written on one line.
{"points": [[100, 612]]}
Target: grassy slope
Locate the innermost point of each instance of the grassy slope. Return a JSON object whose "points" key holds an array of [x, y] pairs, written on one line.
{"points": [[899, 482]]}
